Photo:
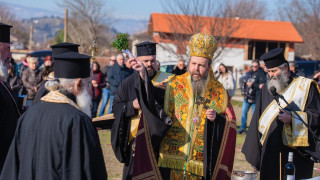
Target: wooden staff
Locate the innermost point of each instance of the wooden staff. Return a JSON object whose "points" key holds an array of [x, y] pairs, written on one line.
{"points": [[93, 49], [280, 166]]}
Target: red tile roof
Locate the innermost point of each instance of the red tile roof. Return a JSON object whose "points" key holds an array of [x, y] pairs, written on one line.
{"points": [[246, 28]]}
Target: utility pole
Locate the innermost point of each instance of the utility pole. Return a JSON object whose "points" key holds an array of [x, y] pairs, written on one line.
{"points": [[31, 36], [65, 34]]}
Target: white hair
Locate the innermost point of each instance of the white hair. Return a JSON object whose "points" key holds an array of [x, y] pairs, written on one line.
{"points": [[59, 84], [31, 60], [83, 99], [282, 66]]}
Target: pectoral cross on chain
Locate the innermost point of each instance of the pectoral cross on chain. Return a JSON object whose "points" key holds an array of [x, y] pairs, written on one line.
{"points": [[204, 101], [200, 100]]}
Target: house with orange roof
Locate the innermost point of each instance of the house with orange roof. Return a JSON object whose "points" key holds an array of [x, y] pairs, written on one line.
{"points": [[247, 40]]}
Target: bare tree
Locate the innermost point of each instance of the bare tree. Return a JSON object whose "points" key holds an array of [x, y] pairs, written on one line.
{"points": [[218, 17], [305, 16], [87, 23], [18, 30], [245, 9]]}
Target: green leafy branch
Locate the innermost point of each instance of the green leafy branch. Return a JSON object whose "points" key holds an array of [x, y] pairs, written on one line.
{"points": [[121, 42]]}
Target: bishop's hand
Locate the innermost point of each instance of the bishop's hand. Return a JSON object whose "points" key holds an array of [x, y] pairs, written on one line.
{"points": [[285, 116], [211, 115], [137, 66]]}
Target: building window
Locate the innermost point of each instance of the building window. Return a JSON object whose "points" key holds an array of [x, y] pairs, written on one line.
{"points": [[257, 48]]}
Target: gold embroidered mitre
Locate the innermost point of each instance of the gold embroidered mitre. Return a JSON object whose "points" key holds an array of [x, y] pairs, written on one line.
{"points": [[203, 45]]}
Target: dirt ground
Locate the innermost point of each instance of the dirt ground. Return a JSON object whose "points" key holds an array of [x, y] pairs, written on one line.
{"points": [[114, 167]]}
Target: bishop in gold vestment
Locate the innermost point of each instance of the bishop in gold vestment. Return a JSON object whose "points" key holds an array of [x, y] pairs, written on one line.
{"points": [[201, 142]]}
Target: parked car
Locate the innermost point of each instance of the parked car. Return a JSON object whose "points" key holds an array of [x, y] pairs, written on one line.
{"points": [[167, 66], [40, 55], [307, 68]]}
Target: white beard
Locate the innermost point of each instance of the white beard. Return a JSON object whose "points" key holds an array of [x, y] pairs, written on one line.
{"points": [[84, 102], [3, 71]]}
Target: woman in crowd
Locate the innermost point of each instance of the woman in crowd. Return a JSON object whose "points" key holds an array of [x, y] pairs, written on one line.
{"points": [[98, 82], [226, 79], [31, 79], [14, 80]]}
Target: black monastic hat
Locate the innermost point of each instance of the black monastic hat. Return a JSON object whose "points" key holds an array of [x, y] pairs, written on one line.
{"points": [[72, 65], [63, 48], [5, 33], [274, 58], [146, 49]]}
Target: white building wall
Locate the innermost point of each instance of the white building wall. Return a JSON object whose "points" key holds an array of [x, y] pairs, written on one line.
{"points": [[232, 57], [291, 56], [166, 53]]}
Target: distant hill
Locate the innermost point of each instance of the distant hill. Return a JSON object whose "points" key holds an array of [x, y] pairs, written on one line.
{"points": [[23, 12], [44, 28], [50, 22]]}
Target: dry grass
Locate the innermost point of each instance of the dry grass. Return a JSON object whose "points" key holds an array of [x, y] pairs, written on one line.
{"points": [[114, 168]]}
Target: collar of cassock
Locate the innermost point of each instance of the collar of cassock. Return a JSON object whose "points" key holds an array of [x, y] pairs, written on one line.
{"points": [[59, 97]]}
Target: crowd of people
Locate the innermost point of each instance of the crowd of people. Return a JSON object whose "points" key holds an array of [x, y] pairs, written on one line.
{"points": [[166, 126], [26, 80]]}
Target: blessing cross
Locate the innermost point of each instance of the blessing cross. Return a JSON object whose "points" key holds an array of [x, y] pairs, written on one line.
{"points": [[93, 48], [204, 101]]}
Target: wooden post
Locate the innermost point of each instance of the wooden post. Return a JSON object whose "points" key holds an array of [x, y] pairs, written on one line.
{"points": [[246, 49], [65, 34], [286, 51], [254, 51], [31, 37]]}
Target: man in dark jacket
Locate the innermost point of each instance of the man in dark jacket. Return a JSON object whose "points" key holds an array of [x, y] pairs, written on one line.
{"points": [[106, 90], [116, 75], [251, 87]]}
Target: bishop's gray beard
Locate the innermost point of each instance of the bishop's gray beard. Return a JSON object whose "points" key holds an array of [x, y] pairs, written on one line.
{"points": [[280, 83], [84, 102], [198, 86]]}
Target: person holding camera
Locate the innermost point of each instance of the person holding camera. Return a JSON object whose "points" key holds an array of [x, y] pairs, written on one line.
{"points": [[250, 89]]}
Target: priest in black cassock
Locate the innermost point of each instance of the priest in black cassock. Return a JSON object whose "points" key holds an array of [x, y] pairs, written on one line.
{"points": [[140, 123], [57, 49], [275, 130], [55, 138], [9, 112]]}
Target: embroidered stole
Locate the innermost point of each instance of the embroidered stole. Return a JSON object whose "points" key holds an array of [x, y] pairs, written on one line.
{"points": [[296, 92], [182, 147], [57, 97], [145, 163]]}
